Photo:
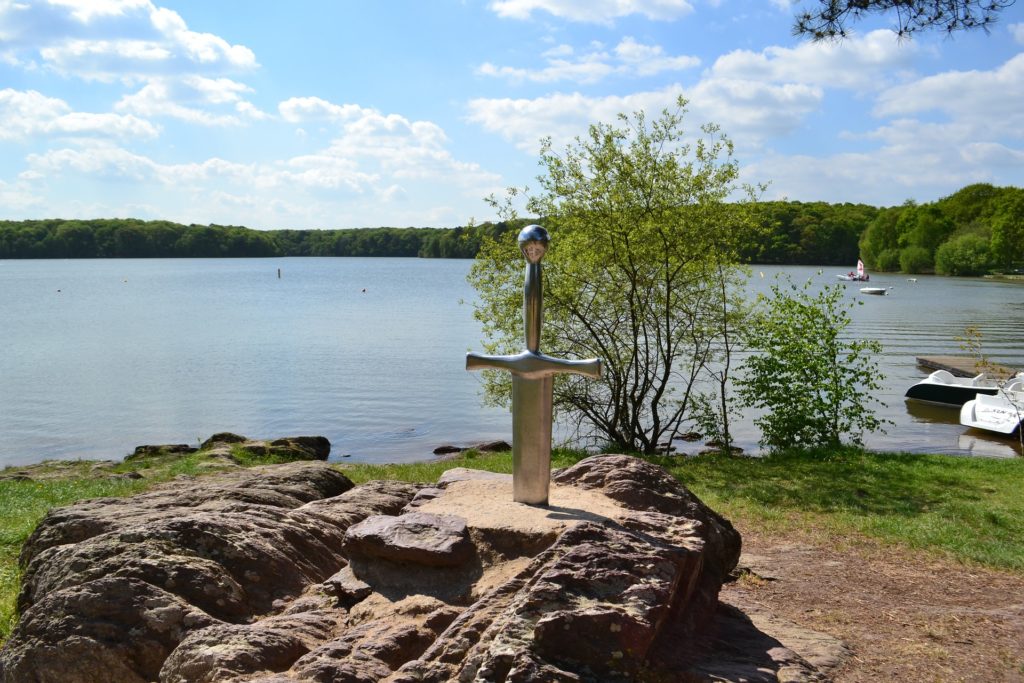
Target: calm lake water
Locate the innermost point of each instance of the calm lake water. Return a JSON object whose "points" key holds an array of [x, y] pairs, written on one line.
{"points": [[99, 356]]}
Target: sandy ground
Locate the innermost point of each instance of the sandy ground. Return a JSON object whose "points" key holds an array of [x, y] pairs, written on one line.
{"points": [[904, 617]]}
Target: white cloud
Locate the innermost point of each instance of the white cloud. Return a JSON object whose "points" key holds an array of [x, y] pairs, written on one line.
{"points": [[203, 48], [389, 146], [299, 109], [563, 64], [17, 198], [112, 39], [750, 111], [859, 63], [593, 11], [191, 99], [88, 11], [753, 96], [647, 60], [97, 160], [747, 111], [104, 57], [914, 160], [588, 70], [375, 165], [179, 72], [904, 157], [991, 101], [26, 114], [1017, 31]]}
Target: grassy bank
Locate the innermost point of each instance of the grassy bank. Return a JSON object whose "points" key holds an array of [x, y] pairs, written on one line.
{"points": [[971, 509]]}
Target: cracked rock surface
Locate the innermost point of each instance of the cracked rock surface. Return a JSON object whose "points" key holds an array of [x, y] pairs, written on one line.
{"points": [[291, 573]]}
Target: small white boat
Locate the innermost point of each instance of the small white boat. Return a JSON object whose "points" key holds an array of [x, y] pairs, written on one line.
{"points": [[859, 276], [943, 388], [877, 291], [1002, 413]]}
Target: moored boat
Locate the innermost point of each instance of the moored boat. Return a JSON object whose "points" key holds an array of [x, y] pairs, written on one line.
{"points": [[876, 291], [1002, 413], [943, 388]]}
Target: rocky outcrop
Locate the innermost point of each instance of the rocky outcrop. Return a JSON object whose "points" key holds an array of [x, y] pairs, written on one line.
{"points": [[498, 446], [226, 444], [157, 451], [291, 573], [229, 549]]}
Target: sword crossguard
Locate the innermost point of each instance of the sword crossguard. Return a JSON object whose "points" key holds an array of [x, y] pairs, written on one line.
{"points": [[532, 365]]}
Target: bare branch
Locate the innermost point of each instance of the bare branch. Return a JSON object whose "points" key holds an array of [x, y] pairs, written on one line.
{"points": [[831, 19]]}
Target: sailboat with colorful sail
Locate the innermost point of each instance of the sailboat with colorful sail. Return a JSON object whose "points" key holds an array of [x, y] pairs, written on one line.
{"points": [[859, 276]]}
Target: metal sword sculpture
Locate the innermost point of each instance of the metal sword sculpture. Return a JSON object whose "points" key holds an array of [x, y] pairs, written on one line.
{"points": [[532, 374]]}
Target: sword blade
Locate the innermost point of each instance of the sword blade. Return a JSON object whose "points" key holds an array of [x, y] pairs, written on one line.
{"points": [[531, 439]]}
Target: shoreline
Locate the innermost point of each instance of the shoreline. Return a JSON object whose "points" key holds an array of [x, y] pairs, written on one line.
{"points": [[223, 449]]}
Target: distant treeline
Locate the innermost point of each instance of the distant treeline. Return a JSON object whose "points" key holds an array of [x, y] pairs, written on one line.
{"points": [[131, 238], [971, 232], [979, 228], [813, 233], [807, 233]]}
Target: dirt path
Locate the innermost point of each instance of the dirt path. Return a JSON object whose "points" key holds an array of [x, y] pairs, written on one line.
{"points": [[903, 617]]}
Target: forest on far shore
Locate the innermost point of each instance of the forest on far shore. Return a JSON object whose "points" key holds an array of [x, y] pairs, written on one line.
{"points": [[973, 231]]}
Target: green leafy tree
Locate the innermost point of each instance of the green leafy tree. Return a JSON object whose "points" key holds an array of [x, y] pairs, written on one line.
{"points": [[73, 239], [915, 260], [881, 236], [642, 236], [1007, 243], [888, 260], [813, 384], [924, 226], [963, 255], [970, 204]]}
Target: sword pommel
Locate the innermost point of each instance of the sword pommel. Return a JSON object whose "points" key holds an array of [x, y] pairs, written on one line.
{"points": [[533, 243]]}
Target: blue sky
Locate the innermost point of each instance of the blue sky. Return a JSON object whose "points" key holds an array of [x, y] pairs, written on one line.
{"points": [[330, 114]]}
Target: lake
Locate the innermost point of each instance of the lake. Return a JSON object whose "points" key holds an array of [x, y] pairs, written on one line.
{"points": [[100, 356]]}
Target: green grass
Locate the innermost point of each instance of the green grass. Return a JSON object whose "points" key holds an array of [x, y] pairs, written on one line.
{"points": [[969, 509], [22, 505]]}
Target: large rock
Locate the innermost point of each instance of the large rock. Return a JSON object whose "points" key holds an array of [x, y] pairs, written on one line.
{"points": [[233, 549], [110, 629], [416, 538], [291, 574]]}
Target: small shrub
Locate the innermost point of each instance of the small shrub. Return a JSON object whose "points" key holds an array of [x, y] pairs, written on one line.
{"points": [[813, 385]]}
